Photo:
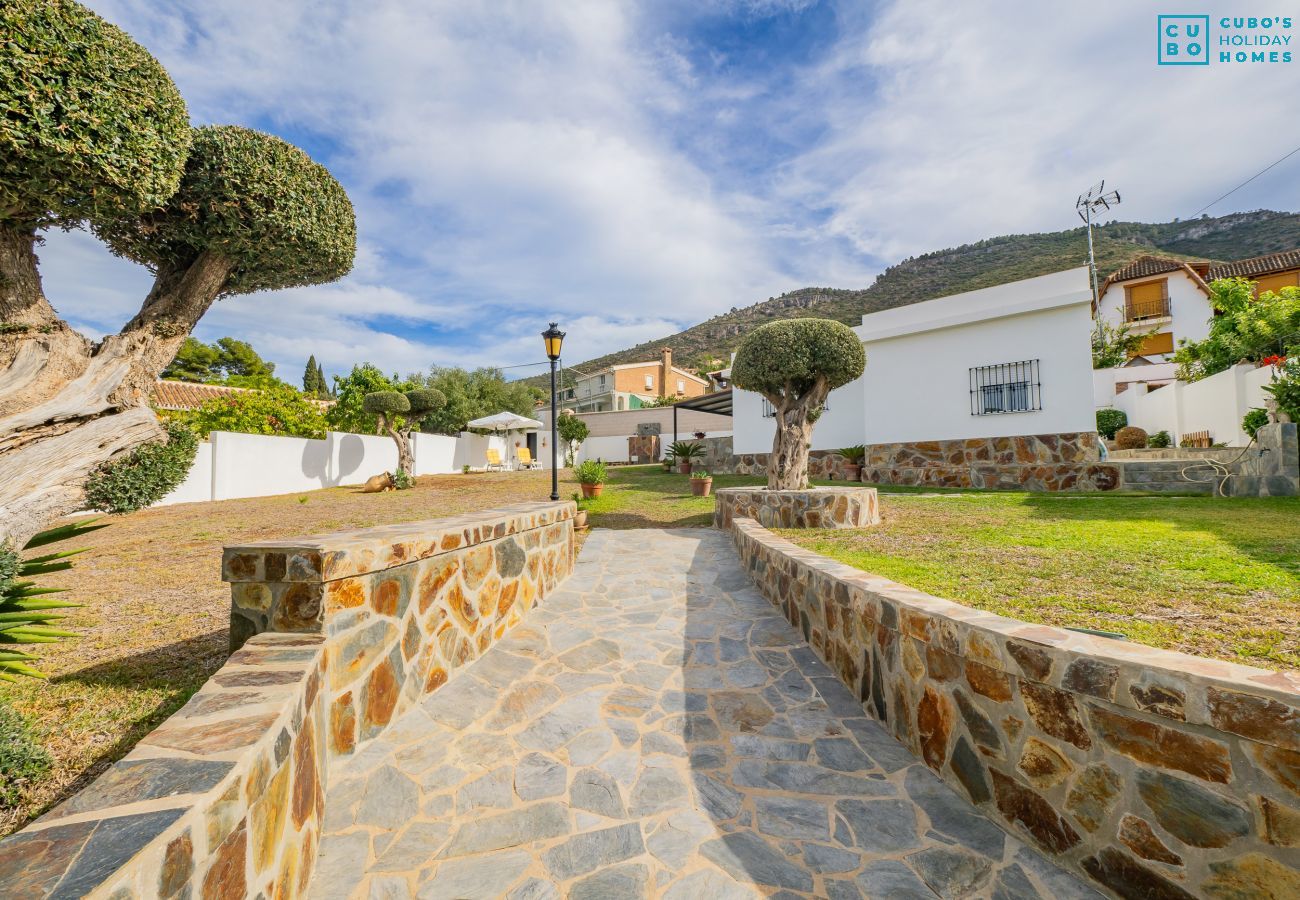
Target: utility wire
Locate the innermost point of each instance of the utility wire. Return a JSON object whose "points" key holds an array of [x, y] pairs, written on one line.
{"points": [[1247, 181]]}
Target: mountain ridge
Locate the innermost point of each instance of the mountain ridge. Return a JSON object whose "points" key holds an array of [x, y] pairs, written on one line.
{"points": [[985, 263]]}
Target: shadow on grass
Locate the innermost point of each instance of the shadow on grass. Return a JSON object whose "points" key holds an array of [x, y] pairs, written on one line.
{"points": [[181, 665]]}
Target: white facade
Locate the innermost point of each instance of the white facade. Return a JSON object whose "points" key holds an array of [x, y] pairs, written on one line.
{"points": [[1216, 404], [917, 385], [1189, 310]]}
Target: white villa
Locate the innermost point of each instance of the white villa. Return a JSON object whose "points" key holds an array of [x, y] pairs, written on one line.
{"points": [[1006, 361]]}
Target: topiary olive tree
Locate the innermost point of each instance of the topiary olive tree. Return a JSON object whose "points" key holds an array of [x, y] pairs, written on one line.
{"points": [[94, 132], [795, 363], [400, 414]]}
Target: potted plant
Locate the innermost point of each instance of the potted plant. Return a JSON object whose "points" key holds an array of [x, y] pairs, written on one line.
{"points": [[580, 517], [699, 435], [686, 452], [701, 483], [591, 476], [669, 461], [854, 457]]}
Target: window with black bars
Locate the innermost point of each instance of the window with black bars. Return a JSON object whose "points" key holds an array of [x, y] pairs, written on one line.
{"points": [[769, 411], [1005, 388]]}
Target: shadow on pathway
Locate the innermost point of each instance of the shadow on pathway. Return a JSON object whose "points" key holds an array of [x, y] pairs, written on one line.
{"points": [[656, 729]]}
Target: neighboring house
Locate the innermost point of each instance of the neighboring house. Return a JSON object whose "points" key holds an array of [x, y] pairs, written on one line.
{"points": [[1167, 300], [632, 385], [949, 381]]}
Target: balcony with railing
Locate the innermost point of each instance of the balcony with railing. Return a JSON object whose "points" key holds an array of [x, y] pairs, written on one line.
{"points": [[1145, 310]]}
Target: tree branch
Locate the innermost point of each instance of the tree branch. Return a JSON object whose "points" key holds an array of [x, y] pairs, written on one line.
{"points": [[22, 300]]}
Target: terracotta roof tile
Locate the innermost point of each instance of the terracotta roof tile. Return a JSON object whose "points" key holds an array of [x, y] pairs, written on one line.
{"points": [[1258, 265], [187, 394], [1145, 266]]}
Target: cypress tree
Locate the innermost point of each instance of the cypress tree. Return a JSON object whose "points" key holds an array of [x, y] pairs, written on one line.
{"points": [[311, 383]]}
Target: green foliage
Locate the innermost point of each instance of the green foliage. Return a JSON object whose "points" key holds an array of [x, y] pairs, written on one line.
{"points": [[700, 474], [255, 199], [1110, 421], [591, 471], [27, 614], [472, 395], [686, 450], [1285, 388], [423, 401], [402, 480], [855, 455], [1113, 345], [91, 126], [1243, 329], [788, 358], [1253, 421], [278, 410], [661, 401], [386, 403], [573, 431], [22, 759], [227, 361], [1130, 437], [145, 475], [313, 380], [1159, 440], [348, 412]]}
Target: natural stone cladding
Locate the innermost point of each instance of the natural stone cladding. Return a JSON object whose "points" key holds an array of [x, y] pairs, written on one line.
{"points": [[225, 799], [1039, 462], [846, 507], [403, 606], [1154, 773]]}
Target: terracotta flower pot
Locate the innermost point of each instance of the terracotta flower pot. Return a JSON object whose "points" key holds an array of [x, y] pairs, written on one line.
{"points": [[852, 472], [592, 490], [580, 520], [700, 487], [684, 468]]}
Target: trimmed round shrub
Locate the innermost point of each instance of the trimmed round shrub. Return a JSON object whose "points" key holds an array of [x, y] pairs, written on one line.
{"points": [[1160, 440], [1254, 421], [792, 354], [386, 403], [92, 127], [1130, 437], [1110, 421], [425, 400], [256, 199], [145, 475]]}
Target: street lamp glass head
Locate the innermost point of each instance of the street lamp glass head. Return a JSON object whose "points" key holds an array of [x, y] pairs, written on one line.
{"points": [[553, 337]]}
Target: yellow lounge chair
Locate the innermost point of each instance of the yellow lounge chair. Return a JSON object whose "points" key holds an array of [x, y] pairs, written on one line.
{"points": [[494, 460], [526, 459]]}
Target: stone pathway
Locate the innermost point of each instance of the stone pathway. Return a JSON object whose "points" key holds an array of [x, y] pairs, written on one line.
{"points": [[656, 729]]}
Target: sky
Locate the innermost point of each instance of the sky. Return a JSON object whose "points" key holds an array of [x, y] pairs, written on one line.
{"points": [[631, 168]]}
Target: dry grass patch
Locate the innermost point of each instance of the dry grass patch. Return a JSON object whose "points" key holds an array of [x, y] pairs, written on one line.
{"points": [[154, 622]]}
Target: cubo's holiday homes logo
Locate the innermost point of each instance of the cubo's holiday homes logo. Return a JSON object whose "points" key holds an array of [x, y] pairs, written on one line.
{"points": [[1185, 40]]}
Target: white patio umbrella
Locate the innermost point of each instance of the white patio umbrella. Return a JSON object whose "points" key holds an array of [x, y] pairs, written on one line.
{"points": [[505, 422]]}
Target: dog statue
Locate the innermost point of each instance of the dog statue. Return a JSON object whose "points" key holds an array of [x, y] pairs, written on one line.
{"points": [[377, 483]]}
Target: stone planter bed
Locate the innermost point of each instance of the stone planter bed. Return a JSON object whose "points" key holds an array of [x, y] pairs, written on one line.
{"points": [[1154, 773], [823, 507]]}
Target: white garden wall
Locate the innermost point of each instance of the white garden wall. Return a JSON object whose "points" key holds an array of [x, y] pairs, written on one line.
{"points": [[1216, 404], [230, 465]]}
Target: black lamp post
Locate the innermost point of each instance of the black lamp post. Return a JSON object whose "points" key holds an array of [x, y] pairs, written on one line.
{"points": [[554, 337]]}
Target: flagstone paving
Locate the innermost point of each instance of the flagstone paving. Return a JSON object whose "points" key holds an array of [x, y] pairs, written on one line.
{"points": [[656, 729]]}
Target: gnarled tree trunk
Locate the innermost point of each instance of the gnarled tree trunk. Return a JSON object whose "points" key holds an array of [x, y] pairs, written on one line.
{"points": [[402, 438], [68, 405], [787, 465]]}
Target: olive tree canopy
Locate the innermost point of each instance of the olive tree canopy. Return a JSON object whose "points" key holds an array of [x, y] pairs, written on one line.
{"points": [[795, 363], [92, 126], [93, 132], [411, 407]]}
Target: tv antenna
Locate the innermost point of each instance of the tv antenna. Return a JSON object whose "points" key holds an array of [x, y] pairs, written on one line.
{"points": [[1095, 201]]}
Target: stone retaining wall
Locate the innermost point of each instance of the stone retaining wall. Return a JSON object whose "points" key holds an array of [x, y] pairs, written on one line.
{"points": [[333, 637], [1156, 774], [1040, 462], [224, 800], [403, 606], [846, 507]]}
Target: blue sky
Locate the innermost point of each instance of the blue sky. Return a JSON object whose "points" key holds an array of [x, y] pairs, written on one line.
{"points": [[631, 168]]}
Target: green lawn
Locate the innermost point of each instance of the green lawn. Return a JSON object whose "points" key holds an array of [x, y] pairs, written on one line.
{"points": [[1204, 575]]}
